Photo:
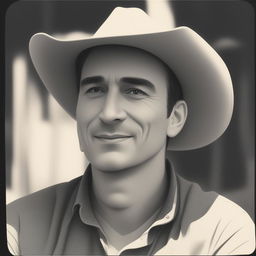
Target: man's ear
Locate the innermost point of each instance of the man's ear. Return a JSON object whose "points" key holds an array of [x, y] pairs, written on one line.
{"points": [[80, 138], [177, 118]]}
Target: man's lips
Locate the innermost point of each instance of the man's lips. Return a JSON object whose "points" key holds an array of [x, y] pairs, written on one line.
{"points": [[112, 137]]}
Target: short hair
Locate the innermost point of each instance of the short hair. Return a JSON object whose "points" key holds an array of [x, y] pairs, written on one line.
{"points": [[174, 90]]}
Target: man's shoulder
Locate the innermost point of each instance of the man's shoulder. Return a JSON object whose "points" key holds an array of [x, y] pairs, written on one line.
{"points": [[195, 199], [46, 195], [211, 223], [41, 202]]}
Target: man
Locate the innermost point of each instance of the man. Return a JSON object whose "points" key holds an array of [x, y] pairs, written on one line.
{"points": [[141, 91]]}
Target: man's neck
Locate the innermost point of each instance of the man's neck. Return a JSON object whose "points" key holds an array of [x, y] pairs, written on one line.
{"points": [[127, 199]]}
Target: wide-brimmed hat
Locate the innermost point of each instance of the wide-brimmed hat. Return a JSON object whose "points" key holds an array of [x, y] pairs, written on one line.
{"points": [[203, 75]]}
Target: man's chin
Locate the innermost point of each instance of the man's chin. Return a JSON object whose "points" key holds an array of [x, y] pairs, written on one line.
{"points": [[111, 162], [110, 166]]}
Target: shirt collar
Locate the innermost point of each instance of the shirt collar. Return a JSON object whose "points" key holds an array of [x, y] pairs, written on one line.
{"points": [[84, 204], [169, 206], [83, 199]]}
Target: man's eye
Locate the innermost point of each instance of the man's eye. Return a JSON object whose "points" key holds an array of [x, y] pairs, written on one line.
{"points": [[136, 92], [95, 91]]}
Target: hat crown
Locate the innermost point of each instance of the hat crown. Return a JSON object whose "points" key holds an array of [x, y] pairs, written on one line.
{"points": [[128, 21]]}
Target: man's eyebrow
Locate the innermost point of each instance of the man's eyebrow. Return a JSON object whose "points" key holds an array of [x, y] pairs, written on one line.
{"points": [[138, 81], [92, 80]]}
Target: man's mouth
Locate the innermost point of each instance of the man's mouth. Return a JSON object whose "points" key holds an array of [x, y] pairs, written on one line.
{"points": [[112, 137]]}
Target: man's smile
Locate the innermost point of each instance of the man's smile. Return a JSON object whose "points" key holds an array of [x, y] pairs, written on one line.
{"points": [[112, 137]]}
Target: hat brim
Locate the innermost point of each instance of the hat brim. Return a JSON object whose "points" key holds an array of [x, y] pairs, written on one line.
{"points": [[204, 77]]}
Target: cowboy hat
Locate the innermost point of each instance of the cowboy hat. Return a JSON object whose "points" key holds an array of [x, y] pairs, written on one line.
{"points": [[204, 77]]}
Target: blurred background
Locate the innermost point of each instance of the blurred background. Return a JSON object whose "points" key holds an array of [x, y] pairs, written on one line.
{"points": [[41, 141]]}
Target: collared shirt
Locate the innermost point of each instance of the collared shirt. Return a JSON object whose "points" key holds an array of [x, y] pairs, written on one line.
{"points": [[165, 216], [60, 221]]}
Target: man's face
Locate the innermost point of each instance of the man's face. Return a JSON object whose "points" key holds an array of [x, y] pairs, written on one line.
{"points": [[122, 107]]}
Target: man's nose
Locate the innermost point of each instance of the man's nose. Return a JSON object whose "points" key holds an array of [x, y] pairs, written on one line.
{"points": [[112, 110]]}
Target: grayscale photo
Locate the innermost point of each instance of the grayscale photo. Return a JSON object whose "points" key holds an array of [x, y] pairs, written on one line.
{"points": [[129, 127]]}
